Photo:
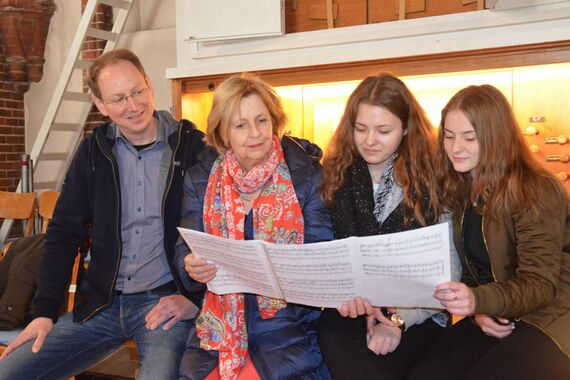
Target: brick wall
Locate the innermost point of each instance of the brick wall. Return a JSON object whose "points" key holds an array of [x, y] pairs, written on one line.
{"points": [[21, 60], [12, 131], [23, 30]]}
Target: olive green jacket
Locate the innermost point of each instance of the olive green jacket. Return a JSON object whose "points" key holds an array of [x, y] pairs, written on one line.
{"points": [[530, 263]]}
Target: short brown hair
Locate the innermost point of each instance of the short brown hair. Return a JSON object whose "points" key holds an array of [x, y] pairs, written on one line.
{"points": [[107, 59], [227, 100]]}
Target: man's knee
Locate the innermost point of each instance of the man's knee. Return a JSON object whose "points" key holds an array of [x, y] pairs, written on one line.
{"points": [[160, 351], [20, 363]]}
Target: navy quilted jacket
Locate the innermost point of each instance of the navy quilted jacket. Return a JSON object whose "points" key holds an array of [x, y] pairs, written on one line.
{"points": [[283, 347]]}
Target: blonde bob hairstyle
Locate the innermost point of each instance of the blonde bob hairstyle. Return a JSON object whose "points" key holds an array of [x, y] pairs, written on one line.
{"points": [[227, 101]]}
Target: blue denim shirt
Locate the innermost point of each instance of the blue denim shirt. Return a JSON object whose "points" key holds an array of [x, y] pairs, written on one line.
{"points": [[144, 265]]}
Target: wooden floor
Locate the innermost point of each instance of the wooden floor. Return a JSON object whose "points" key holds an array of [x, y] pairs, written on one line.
{"points": [[120, 366]]}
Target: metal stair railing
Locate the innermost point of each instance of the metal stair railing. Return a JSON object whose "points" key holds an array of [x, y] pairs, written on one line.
{"points": [[63, 93]]}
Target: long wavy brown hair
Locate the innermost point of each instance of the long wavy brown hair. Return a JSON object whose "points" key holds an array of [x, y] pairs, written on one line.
{"points": [[507, 176], [413, 168]]}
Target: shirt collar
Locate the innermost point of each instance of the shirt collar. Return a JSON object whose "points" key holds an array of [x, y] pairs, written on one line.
{"points": [[160, 136]]}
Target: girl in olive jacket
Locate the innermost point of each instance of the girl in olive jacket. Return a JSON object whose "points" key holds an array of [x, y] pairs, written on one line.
{"points": [[510, 232]]}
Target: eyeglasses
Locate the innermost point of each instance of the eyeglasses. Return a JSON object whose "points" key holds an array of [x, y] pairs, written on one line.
{"points": [[121, 101]]}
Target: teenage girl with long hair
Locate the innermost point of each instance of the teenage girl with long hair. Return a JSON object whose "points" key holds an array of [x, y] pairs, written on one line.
{"points": [[510, 230], [379, 178]]}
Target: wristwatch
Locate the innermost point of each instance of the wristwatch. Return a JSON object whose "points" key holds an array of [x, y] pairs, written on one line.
{"points": [[396, 319]]}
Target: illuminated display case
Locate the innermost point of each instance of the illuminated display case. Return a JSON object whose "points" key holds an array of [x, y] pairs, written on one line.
{"points": [[535, 78]]}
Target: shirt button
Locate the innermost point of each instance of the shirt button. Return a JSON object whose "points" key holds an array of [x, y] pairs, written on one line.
{"points": [[140, 183], [137, 232], [140, 157], [129, 278], [139, 209]]}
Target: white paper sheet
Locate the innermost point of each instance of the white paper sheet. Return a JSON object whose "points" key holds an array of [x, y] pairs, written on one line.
{"points": [[399, 270]]}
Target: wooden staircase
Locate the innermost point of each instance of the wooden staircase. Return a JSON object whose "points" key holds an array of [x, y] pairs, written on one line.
{"points": [[62, 127]]}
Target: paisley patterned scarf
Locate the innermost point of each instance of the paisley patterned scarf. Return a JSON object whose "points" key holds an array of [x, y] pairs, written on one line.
{"points": [[390, 194], [277, 217]]}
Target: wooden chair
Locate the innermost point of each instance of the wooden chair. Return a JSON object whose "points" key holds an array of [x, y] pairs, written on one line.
{"points": [[46, 206], [19, 206], [47, 202], [48, 199]]}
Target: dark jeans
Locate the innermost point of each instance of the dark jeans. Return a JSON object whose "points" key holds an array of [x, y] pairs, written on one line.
{"points": [[71, 347], [344, 348], [465, 352]]}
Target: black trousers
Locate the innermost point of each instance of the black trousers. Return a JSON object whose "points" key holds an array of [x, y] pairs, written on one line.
{"points": [[465, 352], [344, 348]]}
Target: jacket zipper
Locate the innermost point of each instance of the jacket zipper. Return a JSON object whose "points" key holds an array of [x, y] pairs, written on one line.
{"points": [[495, 279], [518, 318], [117, 234], [261, 367], [485, 244], [171, 171], [548, 335], [476, 278]]}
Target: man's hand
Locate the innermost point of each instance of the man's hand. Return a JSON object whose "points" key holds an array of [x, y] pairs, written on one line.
{"points": [[171, 308], [495, 327], [355, 307], [38, 329]]}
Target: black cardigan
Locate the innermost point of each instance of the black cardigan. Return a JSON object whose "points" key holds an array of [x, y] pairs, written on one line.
{"points": [[90, 207]]}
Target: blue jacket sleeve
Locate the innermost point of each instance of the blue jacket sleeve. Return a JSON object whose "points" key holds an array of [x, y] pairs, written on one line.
{"points": [[316, 215], [192, 206]]}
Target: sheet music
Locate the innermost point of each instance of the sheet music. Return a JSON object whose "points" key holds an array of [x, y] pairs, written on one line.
{"points": [[242, 264], [317, 274], [399, 270], [402, 269]]}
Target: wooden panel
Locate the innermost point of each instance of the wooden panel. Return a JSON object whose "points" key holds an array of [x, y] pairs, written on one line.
{"points": [[298, 14], [291, 98], [388, 10], [524, 55], [319, 11], [532, 92], [322, 109], [323, 104], [177, 98], [545, 92], [306, 15], [196, 107], [434, 91]]}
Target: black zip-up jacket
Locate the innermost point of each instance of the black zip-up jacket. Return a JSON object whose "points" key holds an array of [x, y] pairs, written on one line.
{"points": [[90, 207]]}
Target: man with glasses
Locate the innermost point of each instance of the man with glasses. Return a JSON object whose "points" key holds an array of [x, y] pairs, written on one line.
{"points": [[123, 190]]}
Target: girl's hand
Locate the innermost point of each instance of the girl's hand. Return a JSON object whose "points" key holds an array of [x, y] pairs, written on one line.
{"points": [[198, 269], [384, 338], [456, 297], [495, 327], [355, 307]]}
